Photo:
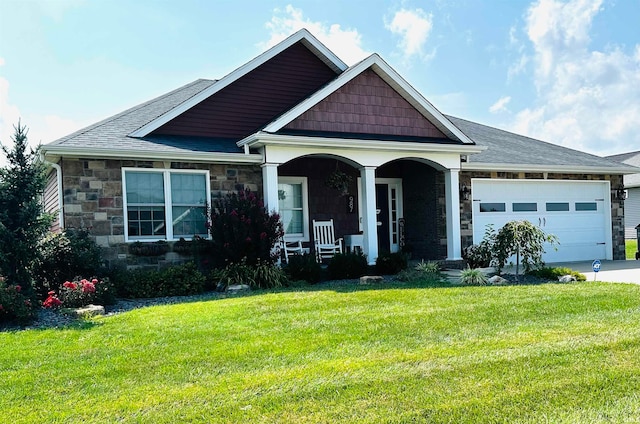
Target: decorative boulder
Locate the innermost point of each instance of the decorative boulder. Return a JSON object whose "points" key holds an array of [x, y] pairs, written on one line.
{"points": [[497, 280], [87, 311], [238, 288], [567, 279], [368, 279]]}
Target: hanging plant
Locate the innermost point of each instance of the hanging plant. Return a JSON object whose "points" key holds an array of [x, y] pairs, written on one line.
{"points": [[340, 181]]}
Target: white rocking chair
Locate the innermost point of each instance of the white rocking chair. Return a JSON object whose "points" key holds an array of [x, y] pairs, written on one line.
{"points": [[291, 248], [325, 242]]}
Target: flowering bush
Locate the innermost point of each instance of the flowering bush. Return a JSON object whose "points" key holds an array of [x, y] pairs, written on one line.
{"points": [[241, 227], [80, 292], [14, 304]]}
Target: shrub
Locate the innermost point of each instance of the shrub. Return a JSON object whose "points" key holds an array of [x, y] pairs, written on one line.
{"points": [[65, 255], [347, 265], [15, 305], [262, 275], [473, 277], [241, 227], [553, 273], [426, 272], [177, 280], [82, 292], [481, 255], [304, 267], [391, 263]]}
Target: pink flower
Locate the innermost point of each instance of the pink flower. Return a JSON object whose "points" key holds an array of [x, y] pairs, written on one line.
{"points": [[70, 285], [88, 288], [18, 288], [94, 281], [84, 281], [51, 293], [234, 213]]}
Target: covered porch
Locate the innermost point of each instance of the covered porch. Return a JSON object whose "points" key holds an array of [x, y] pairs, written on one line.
{"points": [[403, 197]]}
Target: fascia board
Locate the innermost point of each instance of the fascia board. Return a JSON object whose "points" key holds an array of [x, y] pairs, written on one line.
{"points": [[389, 75], [262, 139], [206, 157], [309, 40], [561, 169]]}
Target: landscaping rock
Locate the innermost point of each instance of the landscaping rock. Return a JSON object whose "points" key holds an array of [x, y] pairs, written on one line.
{"points": [[87, 311], [368, 279], [497, 280], [567, 279], [238, 288]]}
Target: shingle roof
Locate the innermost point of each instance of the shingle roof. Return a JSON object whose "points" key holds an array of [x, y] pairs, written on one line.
{"points": [[633, 159], [504, 147], [113, 132]]}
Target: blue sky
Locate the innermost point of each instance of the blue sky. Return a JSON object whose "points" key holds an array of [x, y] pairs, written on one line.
{"points": [[567, 72]]}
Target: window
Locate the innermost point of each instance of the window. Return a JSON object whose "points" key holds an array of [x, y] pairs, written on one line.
{"points": [[586, 206], [293, 207], [524, 207], [165, 205], [492, 207], [557, 207]]}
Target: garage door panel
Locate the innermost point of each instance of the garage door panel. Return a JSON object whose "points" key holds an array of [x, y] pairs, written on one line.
{"points": [[574, 211]]}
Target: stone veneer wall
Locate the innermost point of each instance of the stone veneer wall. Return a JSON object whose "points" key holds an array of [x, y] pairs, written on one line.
{"points": [[617, 206], [93, 200]]}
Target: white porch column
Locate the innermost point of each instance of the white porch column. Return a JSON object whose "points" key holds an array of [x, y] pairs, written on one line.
{"points": [[369, 217], [452, 195], [270, 186]]}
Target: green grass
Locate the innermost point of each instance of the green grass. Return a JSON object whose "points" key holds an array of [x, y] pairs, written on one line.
{"points": [[518, 354], [631, 247]]}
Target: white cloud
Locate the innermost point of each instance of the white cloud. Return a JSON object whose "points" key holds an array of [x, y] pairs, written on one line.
{"points": [[500, 105], [587, 99], [414, 27], [345, 43]]}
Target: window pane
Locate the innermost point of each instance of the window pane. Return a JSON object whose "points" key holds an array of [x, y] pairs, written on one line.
{"points": [[557, 207], [492, 207], [290, 196], [189, 189], [144, 187], [189, 221], [586, 206], [146, 221], [525, 207], [292, 221]]}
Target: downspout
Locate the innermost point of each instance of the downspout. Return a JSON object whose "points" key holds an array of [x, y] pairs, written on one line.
{"points": [[60, 191]]}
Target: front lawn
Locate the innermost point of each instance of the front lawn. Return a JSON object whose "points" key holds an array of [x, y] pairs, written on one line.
{"points": [[334, 353], [631, 248]]}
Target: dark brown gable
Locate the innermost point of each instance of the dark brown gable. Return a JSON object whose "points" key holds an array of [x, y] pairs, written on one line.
{"points": [[366, 105], [254, 100]]}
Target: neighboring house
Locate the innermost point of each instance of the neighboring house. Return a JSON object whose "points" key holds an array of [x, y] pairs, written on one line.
{"points": [[632, 188], [282, 123]]}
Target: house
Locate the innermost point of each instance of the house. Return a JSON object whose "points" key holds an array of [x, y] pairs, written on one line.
{"points": [[632, 188], [284, 122]]}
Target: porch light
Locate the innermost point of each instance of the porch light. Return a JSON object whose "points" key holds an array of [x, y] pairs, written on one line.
{"points": [[465, 192], [621, 193]]}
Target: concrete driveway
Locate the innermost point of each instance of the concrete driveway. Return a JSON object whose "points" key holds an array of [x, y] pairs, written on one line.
{"points": [[611, 271]]}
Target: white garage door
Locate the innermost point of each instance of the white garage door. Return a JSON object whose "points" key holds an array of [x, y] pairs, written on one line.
{"points": [[577, 212]]}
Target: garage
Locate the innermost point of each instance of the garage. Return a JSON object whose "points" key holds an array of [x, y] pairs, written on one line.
{"points": [[577, 212]]}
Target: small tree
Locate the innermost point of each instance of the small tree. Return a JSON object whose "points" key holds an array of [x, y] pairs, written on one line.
{"points": [[523, 239], [242, 229], [22, 221]]}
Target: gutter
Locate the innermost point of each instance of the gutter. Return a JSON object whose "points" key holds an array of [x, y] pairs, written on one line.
{"points": [[561, 169], [58, 169]]}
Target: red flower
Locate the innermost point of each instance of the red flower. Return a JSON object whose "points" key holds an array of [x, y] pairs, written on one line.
{"points": [[70, 285], [18, 288], [94, 281], [52, 301], [51, 293]]}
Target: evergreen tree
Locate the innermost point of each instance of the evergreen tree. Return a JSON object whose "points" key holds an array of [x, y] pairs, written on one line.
{"points": [[22, 221]]}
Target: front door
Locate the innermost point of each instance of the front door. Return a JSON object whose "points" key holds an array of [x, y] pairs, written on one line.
{"points": [[388, 212]]}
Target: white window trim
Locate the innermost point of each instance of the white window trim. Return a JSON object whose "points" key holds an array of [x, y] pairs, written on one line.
{"points": [[304, 236], [168, 216]]}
